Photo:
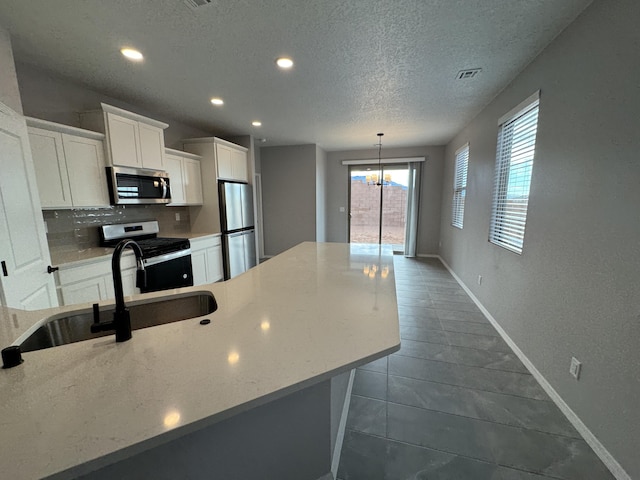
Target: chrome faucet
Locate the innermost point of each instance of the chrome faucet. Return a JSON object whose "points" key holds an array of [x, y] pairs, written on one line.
{"points": [[121, 322]]}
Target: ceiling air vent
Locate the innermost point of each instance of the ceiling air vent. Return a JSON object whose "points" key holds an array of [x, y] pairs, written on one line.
{"points": [[193, 4], [468, 73]]}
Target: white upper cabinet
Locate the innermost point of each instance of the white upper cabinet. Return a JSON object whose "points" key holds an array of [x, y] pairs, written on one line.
{"points": [[51, 168], [123, 140], [132, 140], [69, 165], [86, 169], [173, 166], [151, 146], [184, 177], [231, 161], [192, 181]]}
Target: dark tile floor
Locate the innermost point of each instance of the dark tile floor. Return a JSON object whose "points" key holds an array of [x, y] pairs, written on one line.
{"points": [[455, 402]]}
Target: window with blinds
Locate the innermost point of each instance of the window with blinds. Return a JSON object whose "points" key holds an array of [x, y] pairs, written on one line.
{"points": [[460, 186], [514, 164]]}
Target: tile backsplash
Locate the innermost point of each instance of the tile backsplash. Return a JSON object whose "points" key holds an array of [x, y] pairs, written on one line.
{"points": [[77, 229]]}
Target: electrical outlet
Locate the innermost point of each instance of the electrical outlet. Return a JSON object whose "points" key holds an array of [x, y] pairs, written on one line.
{"points": [[479, 279], [177, 216], [575, 368]]}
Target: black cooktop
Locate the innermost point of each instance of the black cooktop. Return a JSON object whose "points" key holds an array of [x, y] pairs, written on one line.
{"points": [[155, 246], [152, 247]]}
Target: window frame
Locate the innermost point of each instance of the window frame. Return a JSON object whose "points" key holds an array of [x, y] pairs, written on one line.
{"points": [[519, 128], [460, 176]]}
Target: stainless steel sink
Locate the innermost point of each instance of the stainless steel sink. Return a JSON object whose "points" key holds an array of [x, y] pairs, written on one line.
{"points": [[75, 326]]}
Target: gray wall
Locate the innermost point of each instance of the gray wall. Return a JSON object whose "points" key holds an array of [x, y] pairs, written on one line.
{"points": [[321, 195], [288, 196], [430, 195], [574, 290], [9, 92], [59, 100]]}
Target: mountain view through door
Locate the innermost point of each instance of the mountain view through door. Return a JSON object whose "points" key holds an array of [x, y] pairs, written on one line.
{"points": [[372, 206]]}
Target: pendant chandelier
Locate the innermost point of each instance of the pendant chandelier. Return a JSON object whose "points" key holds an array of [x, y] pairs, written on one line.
{"points": [[377, 178]]}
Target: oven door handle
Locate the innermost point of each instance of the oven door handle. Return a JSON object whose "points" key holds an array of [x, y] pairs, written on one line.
{"points": [[148, 262]]}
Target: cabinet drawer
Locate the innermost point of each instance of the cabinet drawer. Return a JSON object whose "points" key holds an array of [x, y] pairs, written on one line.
{"points": [[68, 275]]}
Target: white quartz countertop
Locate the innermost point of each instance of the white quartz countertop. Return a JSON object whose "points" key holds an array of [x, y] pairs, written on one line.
{"points": [[298, 319], [64, 258]]}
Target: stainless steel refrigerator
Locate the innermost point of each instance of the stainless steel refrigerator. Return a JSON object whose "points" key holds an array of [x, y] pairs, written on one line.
{"points": [[238, 229]]}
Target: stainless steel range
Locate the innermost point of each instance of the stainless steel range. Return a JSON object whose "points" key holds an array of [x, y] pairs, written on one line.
{"points": [[167, 261]]}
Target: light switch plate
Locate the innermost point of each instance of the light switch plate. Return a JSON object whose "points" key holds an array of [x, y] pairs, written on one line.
{"points": [[575, 368]]}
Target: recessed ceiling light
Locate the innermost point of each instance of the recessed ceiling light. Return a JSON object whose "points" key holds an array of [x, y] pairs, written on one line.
{"points": [[131, 54], [217, 101], [256, 124], [284, 62]]}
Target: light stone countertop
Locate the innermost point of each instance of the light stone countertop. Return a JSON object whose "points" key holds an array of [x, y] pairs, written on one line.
{"points": [[65, 258], [298, 319]]}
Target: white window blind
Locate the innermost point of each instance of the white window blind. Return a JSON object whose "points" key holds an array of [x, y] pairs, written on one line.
{"points": [[514, 164], [460, 186]]}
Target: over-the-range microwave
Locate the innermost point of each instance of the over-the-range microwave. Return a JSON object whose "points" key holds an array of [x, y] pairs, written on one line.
{"points": [[137, 186]]}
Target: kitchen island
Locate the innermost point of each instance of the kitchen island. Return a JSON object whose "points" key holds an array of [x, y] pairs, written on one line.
{"points": [[282, 331]]}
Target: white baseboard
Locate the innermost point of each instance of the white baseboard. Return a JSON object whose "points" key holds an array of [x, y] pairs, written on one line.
{"points": [[610, 462], [342, 426]]}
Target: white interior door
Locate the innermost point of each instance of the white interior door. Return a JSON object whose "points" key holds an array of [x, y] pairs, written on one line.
{"points": [[24, 252]]}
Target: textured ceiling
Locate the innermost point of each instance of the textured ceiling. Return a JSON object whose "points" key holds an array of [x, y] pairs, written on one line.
{"points": [[361, 66]]}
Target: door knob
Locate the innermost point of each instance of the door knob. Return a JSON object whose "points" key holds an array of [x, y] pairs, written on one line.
{"points": [[51, 269]]}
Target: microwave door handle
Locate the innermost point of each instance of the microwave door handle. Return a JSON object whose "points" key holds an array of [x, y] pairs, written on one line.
{"points": [[164, 187]]}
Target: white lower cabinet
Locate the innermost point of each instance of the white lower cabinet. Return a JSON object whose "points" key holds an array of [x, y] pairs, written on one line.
{"points": [[90, 290], [206, 260], [93, 282]]}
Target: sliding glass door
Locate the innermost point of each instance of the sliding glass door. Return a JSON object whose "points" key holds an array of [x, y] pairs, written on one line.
{"points": [[378, 201]]}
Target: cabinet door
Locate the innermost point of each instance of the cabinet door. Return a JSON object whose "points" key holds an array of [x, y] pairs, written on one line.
{"points": [[214, 262], [151, 146], [192, 181], [239, 165], [90, 290], [129, 282], [173, 166], [23, 243], [223, 162], [86, 171], [124, 142], [51, 169], [199, 266]]}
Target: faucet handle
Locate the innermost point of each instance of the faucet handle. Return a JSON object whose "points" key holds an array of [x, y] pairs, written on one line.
{"points": [[141, 278], [96, 326]]}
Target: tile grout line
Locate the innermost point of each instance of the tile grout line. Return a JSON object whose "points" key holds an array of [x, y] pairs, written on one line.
{"points": [[448, 452], [459, 415], [453, 363], [452, 385]]}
